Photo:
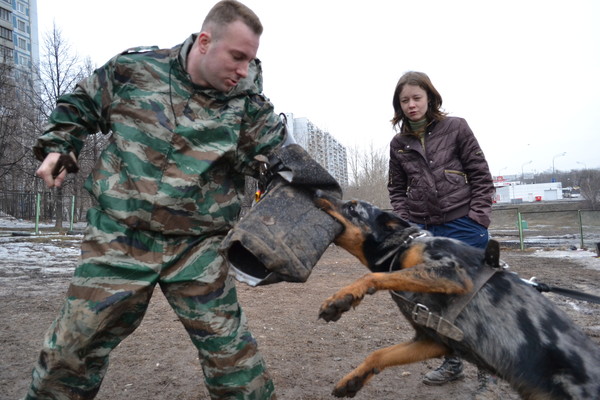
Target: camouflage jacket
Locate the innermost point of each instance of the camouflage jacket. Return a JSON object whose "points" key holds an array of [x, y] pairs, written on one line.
{"points": [[178, 152]]}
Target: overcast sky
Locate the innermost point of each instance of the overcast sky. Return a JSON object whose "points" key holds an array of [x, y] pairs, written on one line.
{"points": [[524, 74]]}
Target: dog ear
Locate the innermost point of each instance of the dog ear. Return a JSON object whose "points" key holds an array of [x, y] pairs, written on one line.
{"points": [[391, 221], [492, 254]]}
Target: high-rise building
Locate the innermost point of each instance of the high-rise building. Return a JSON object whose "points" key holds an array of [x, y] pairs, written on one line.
{"points": [[19, 34], [322, 146], [19, 60]]}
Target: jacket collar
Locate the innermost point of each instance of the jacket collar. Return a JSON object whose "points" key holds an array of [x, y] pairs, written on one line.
{"points": [[429, 128]]}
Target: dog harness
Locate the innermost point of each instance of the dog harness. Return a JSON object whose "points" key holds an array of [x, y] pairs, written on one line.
{"points": [[444, 324]]}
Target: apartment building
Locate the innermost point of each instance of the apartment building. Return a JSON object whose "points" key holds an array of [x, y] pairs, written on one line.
{"points": [[321, 145], [19, 43]]}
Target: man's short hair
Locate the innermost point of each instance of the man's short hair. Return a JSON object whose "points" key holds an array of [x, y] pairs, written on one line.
{"points": [[227, 11]]}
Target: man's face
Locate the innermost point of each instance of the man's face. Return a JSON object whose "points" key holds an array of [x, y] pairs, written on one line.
{"points": [[225, 60]]}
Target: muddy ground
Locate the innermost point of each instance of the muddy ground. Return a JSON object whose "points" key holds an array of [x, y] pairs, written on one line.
{"points": [[306, 356]]}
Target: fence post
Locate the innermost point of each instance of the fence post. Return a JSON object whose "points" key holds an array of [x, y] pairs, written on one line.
{"points": [[520, 223], [38, 200], [580, 228], [72, 213]]}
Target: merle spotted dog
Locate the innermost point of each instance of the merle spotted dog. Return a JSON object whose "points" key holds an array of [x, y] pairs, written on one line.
{"points": [[460, 302]]}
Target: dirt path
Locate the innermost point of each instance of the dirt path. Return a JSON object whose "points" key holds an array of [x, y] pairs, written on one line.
{"points": [[306, 356]]}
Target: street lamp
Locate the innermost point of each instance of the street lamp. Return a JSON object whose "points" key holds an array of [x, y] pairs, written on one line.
{"points": [[522, 174], [553, 158], [584, 166], [500, 173]]}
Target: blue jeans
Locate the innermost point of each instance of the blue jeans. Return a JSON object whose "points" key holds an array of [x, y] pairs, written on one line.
{"points": [[463, 229]]}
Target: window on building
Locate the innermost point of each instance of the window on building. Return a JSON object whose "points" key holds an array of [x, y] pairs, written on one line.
{"points": [[25, 61], [21, 7], [6, 54], [4, 14], [22, 25], [23, 44], [6, 33]]}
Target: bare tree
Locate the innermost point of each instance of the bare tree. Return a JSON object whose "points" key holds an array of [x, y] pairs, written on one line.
{"points": [[354, 156], [369, 175], [18, 124], [589, 183], [60, 71], [8, 117]]}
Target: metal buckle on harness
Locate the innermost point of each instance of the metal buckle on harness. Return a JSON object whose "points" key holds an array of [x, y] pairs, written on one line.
{"points": [[417, 313], [419, 234], [413, 236], [422, 316]]}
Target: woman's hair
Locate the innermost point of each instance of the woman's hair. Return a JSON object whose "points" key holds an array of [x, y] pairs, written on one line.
{"points": [[227, 11], [434, 99]]}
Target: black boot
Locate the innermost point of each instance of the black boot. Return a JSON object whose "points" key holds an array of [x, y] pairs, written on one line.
{"points": [[486, 386], [450, 370]]}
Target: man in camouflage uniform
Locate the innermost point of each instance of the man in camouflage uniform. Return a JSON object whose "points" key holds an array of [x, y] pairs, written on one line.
{"points": [[186, 126]]}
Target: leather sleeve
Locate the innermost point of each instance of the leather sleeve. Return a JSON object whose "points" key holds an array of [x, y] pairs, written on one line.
{"points": [[397, 184], [478, 173]]}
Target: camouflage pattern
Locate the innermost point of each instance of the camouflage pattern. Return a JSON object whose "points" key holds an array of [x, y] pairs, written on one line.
{"points": [[169, 187], [109, 295], [178, 152]]}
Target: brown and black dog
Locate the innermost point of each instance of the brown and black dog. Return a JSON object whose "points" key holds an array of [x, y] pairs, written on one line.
{"points": [[498, 323]]}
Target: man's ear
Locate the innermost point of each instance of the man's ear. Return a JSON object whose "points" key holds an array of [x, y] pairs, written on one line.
{"points": [[203, 41]]}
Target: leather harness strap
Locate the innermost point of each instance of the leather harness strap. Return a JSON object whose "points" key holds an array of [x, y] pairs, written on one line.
{"points": [[422, 316], [459, 302], [444, 324]]}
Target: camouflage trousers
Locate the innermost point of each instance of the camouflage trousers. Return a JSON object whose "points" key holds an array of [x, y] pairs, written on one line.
{"points": [[107, 299]]}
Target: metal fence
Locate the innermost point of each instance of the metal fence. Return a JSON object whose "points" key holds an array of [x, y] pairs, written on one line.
{"points": [[560, 224], [24, 206], [547, 228]]}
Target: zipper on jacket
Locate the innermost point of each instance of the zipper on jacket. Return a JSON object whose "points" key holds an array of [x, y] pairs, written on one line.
{"points": [[408, 187], [451, 171]]}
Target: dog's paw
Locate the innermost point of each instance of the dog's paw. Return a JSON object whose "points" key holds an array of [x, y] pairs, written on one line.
{"points": [[333, 308], [349, 387]]}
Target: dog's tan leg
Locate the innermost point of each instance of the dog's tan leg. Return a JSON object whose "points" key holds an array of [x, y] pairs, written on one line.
{"points": [[420, 278], [415, 279], [403, 353]]}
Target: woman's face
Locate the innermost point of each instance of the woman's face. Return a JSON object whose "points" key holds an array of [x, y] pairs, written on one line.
{"points": [[413, 101]]}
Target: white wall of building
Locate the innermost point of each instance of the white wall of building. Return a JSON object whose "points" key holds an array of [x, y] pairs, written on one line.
{"points": [[529, 193]]}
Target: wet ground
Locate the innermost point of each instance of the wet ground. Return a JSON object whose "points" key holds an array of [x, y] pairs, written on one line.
{"points": [[305, 355]]}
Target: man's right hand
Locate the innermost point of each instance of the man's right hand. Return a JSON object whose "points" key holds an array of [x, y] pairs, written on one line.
{"points": [[46, 171]]}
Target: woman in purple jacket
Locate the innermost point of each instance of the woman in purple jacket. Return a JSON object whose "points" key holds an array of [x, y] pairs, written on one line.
{"points": [[438, 178]]}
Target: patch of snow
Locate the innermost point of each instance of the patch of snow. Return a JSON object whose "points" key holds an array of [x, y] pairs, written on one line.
{"points": [[586, 258], [7, 222], [48, 256]]}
